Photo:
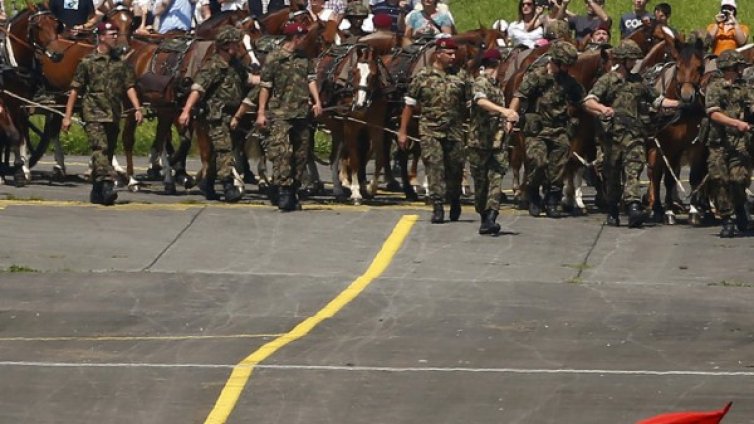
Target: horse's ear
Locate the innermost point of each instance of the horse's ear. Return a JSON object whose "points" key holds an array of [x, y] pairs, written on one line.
{"points": [[604, 54]]}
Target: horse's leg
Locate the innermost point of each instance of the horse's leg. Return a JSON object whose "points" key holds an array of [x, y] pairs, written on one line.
{"points": [[381, 161], [204, 145], [313, 184], [58, 170], [654, 174], [336, 153], [517, 155], [13, 140], [165, 135], [351, 141], [391, 183], [129, 140], [178, 158]]}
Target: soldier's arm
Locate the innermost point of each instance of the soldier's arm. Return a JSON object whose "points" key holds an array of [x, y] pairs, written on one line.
{"points": [[713, 104], [69, 109], [264, 95], [480, 98], [134, 98], [593, 101], [313, 89]]}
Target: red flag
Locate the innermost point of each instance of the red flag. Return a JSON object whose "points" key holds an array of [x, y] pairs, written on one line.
{"points": [[711, 417]]}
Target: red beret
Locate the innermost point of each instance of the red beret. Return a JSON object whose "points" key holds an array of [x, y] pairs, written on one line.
{"points": [[294, 29], [492, 55], [446, 43], [603, 26], [382, 21], [103, 27]]}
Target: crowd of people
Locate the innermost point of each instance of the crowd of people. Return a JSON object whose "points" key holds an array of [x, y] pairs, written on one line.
{"points": [[448, 97]]}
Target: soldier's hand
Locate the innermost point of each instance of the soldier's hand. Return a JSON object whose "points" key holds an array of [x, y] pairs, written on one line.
{"points": [[138, 116], [608, 113], [743, 126], [255, 79], [261, 120], [233, 122], [402, 140], [508, 126], [184, 119], [511, 116], [317, 109], [66, 124]]}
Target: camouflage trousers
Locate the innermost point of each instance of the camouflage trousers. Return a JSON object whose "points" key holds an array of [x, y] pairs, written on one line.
{"points": [[546, 158], [222, 160], [488, 167], [103, 137], [623, 161], [288, 149], [443, 162], [730, 174]]}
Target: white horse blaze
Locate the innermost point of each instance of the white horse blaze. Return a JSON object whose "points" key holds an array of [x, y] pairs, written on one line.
{"points": [[249, 49], [364, 71]]}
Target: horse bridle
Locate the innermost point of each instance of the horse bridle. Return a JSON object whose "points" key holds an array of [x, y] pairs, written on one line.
{"points": [[38, 48]]}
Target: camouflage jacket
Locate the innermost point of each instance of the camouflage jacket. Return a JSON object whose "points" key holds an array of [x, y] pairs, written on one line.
{"points": [[443, 99], [734, 99], [629, 97], [287, 76], [222, 85], [484, 125], [549, 97], [103, 82]]}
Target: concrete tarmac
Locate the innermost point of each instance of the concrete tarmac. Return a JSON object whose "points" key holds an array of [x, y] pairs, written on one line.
{"points": [[143, 311]]}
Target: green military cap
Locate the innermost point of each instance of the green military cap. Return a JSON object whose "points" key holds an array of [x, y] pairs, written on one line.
{"points": [[228, 34], [730, 58], [628, 49], [357, 9], [557, 29], [564, 52]]}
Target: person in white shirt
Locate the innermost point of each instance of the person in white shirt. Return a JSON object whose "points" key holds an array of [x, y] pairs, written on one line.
{"points": [[526, 30]]}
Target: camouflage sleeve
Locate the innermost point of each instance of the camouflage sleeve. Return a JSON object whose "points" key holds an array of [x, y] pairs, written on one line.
{"points": [[267, 78], [80, 77], [414, 90], [129, 76], [480, 88], [206, 77], [311, 71], [599, 91], [713, 101], [529, 86]]}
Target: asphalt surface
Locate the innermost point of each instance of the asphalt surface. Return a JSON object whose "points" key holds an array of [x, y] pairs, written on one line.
{"points": [[142, 312]]}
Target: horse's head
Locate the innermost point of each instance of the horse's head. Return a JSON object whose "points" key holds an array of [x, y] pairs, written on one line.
{"points": [[689, 60], [44, 28], [364, 77], [122, 18], [649, 35]]}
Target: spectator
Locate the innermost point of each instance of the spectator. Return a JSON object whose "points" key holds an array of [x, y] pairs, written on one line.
{"points": [[631, 21], [392, 8], [556, 11], [174, 15], [143, 17], [232, 5], [321, 12], [726, 32], [662, 17], [585, 25], [262, 7], [525, 30], [337, 6], [598, 38], [75, 14], [430, 21], [502, 26]]}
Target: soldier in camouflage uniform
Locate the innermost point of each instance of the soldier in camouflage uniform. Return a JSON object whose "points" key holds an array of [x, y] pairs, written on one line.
{"points": [[729, 103], [356, 13], [289, 84], [487, 154], [441, 93], [220, 85], [549, 93], [622, 99], [103, 78]]}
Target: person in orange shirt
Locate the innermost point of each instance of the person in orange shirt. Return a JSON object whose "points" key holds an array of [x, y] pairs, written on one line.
{"points": [[726, 32]]}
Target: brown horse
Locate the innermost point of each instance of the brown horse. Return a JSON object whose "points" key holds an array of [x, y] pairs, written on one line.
{"points": [[647, 36], [676, 140], [11, 138], [350, 83]]}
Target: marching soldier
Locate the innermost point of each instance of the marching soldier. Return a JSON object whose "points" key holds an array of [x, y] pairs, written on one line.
{"points": [[351, 27], [622, 98], [441, 93], [220, 84], [728, 102], [288, 83], [103, 78], [487, 154], [552, 92]]}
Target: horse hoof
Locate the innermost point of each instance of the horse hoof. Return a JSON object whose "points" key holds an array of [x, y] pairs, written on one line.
{"points": [[393, 186], [411, 196], [133, 188], [695, 219], [188, 182], [19, 179], [170, 189], [669, 218], [658, 216], [58, 173], [356, 202]]}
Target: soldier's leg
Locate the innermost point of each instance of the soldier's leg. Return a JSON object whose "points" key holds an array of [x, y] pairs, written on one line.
{"points": [[434, 167], [477, 164], [454, 158], [301, 139], [557, 158], [632, 166], [280, 153], [95, 131], [719, 175], [740, 179], [536, 168], [612, 164], [225, 161], [497, 166]]}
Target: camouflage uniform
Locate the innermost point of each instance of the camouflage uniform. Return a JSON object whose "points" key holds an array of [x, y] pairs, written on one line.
{"points": [[729, 160], [222, 86], [287, 76], [545, 129], [488, 158], [442, 97], [625, 134], [103, 82]]}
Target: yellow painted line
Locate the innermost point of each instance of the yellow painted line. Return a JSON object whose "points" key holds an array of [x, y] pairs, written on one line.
{"points": [[134, 338], [242, 372]]}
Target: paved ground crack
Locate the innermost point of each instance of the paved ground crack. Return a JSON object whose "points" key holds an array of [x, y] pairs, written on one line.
{"points": [[159, 256]]}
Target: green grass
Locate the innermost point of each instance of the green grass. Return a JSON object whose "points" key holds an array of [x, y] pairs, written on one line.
{"points": [[20, 268]]}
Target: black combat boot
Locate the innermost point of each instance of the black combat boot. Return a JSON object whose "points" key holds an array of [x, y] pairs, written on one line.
{"points": [[95, 196], [742, 219], [232, 193], [455, 209], [438, 213], [273, 194], [613, 216], [489, 226], [286, 199], [635, 215], [207, 187], [109, 195], [552, 200], [729, 228], [535, 201]]}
